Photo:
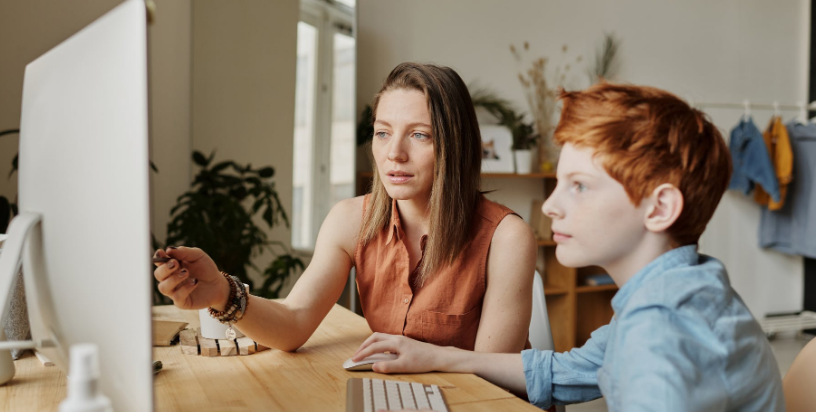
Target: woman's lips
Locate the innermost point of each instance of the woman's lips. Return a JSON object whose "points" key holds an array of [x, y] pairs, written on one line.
{"points": [[399, 177]]}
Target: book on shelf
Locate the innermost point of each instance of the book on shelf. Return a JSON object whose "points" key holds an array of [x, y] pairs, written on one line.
{"points": [[599, 280]]}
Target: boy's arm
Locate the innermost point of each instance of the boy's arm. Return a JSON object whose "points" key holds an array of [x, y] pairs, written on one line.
{"points": [[545, 377], [664, 362]]}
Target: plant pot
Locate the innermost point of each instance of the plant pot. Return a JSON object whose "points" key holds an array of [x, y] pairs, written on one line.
{"points": [[524, 161]]}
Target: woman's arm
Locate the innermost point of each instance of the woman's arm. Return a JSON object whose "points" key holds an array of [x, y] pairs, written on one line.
{"points": [[508, 301], [285, 325]]}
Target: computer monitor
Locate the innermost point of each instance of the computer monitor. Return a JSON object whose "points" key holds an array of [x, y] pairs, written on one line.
{"points": [[83, 233]]}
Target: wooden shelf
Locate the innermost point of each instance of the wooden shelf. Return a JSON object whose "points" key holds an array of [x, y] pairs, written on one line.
{"points": [[548, 175], [554, 290], [546, 242], [589, 289]]}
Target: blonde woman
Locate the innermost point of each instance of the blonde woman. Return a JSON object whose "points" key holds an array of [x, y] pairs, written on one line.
{"points": [[436, 261]]}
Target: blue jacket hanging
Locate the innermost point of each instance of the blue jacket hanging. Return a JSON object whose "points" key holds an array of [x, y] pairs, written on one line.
{"points": [[752, 164]]}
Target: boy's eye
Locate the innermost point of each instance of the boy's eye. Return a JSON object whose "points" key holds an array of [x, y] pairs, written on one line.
{"points": [[579, 187]]}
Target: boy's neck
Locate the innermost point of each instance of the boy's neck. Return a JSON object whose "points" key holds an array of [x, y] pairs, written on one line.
{"points": [[651, 247]]}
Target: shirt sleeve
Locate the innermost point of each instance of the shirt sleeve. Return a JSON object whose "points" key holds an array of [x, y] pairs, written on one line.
{"points": [[563, 378], [664, 362]]}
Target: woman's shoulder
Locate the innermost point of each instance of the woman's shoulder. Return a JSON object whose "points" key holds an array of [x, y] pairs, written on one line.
{"points": [[343, 222], [349, 210], [492, 211]]}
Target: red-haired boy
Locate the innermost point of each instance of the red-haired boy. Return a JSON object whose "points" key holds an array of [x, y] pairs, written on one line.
{"points": [[639, 178]]}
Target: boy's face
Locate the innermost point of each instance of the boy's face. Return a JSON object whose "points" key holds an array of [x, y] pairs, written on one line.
{"points": [[594, 222]]}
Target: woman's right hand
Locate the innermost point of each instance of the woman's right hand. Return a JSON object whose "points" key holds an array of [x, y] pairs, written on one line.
{"points": [[191, 279]]}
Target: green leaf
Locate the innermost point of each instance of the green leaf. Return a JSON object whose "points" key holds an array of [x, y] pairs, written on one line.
{"points": [[153, 166], [5, 213], [266, 172], [199, 159]]}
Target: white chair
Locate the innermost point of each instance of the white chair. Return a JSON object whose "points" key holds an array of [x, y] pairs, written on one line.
{"points": [[540, 332]]}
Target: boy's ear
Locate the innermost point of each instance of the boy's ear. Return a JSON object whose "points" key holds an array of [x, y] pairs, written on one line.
{"points": [[665, 208]]}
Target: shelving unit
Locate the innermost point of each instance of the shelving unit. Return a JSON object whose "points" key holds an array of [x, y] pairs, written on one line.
{"points": [[575, 310]]}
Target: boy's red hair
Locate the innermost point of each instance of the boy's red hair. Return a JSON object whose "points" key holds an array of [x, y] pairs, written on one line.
{"points": [[646, 137]]}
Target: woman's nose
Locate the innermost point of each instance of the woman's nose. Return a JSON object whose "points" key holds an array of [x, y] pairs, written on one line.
{"points": [[396, 151]]}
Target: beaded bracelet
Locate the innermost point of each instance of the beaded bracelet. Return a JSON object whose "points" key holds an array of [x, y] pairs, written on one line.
{"points": [[229, 310]]}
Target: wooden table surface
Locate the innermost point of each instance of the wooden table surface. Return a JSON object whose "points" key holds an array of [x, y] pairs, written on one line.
{"points": [[312, 379]]}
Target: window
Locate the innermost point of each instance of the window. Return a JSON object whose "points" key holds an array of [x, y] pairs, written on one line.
{"points": [[324, 154]]}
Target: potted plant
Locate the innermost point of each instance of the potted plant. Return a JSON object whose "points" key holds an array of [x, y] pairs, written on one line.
{"points": [[8, 209], [524, 136], [219, 214]]}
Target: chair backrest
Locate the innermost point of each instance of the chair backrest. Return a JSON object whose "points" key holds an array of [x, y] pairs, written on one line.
{"points": [[540, 332], [800, 381]]}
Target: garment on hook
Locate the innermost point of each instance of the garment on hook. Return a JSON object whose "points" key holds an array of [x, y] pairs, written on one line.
{"points": [[778, 144], [791, 229], [751, 162]]}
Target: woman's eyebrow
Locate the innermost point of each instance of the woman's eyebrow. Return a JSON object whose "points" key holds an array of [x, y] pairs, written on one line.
{"points": [[408, 126]]}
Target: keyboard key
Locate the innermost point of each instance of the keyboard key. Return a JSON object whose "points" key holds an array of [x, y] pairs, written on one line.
{"points": [[393, 395], [419, 395], [437, 403], [367, 395], [406, 395], [379, 394]]}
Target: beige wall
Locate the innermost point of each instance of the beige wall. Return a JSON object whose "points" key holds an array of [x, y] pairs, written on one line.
{"points": [[243, 87], [30, 28], [170, 142], [27, 30], [722, 51]]}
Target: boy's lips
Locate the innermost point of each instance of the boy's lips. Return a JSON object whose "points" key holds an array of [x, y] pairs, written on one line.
{"points": [[559, 237]]}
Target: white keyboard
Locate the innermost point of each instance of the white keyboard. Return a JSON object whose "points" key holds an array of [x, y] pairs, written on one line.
{"points": [[371, 395]]}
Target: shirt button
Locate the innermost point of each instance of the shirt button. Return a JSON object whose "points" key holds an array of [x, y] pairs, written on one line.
{"points": [[405, 300]]}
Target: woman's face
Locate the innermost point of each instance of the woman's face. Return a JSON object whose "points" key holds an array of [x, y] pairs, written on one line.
{"points": [[403, 144]]}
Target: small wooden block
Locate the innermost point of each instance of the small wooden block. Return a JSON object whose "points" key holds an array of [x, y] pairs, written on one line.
{"points": [[165, 331], [261, 347], [43, 359], [188, 342], [246, 346], [208, 346], [228, 347]]}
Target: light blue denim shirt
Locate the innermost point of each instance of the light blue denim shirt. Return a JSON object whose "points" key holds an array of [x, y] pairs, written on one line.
{"points": [[751, 161], [681, 340]]}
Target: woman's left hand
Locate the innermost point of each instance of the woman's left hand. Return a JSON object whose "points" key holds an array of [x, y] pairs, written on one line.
{"points": [[413, 356]]}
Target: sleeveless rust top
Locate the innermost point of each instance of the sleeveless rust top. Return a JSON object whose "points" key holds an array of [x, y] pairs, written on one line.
{"points": [[447, 309]]}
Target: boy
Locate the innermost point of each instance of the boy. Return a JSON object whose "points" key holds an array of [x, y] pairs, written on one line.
{"points": [[639, 177]]}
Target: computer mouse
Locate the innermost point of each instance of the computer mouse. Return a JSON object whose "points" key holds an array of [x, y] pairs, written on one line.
{"points": [[367, 363]]}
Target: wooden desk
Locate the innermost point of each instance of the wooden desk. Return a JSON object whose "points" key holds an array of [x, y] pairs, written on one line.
{"points": [[310, 380]]}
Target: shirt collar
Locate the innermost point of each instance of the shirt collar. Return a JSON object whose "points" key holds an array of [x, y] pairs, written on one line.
{"points": [[682, 256], [395, 228]]}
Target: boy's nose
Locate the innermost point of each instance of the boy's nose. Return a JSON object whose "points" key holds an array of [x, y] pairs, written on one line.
{"points": [[550, 208]]}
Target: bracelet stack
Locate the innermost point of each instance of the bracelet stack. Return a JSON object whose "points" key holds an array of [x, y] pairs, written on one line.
{"points": [[236, 304]]}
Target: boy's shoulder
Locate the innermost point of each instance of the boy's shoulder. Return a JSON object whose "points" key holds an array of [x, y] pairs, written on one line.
{"points": [[700, 290]]}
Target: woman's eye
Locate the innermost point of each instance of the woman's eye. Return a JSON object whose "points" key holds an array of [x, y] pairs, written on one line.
{"points": [[381, 134], [420, 136]]}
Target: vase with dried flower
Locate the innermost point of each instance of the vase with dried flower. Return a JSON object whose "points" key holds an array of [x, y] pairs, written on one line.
{"points": [[541, 94]]}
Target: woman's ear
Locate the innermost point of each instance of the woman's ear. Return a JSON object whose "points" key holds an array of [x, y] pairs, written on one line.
{"points": [[666, 205]]}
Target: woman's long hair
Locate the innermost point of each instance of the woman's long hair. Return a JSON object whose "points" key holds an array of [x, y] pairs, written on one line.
{"points": [[457, 146]]}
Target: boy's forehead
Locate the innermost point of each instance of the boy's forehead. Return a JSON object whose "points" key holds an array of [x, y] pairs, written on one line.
{"points": [[579, 159]]}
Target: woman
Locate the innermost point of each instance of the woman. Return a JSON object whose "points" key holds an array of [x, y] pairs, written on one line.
{"points": [[435, 260]]}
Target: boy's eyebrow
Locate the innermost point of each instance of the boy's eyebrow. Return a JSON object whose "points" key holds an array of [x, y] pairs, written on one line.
{"points": [[570, 174]]}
